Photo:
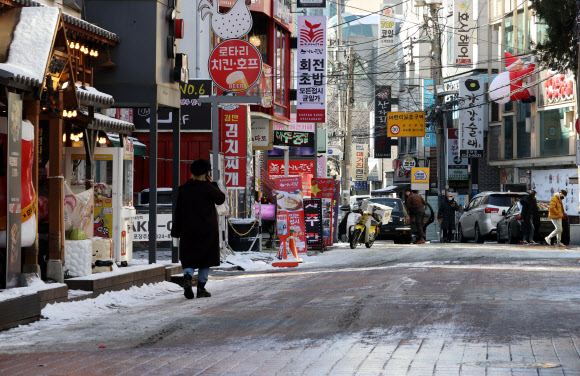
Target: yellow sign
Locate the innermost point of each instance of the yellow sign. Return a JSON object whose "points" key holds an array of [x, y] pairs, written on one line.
{"points": [[406, 124], [420, 175]]}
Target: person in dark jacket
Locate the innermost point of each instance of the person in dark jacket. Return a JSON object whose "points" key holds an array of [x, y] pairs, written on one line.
{"points": [[446, 216], [195, 223], [529, 213], [416, 205]]}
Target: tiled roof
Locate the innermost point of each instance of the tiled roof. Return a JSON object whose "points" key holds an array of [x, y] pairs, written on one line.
{"points": [[90, 96], [108, 124]]}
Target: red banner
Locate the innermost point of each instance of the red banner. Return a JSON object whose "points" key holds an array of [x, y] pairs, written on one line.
{"points": [[324, 189], [233, 144]]}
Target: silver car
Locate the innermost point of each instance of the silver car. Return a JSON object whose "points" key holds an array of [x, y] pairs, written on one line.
{"points": [[480, 217]]}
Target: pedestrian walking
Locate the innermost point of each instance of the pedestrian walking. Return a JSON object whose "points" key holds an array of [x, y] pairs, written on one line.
{"points": [[415, 203], [446, 217], [556, 214], [528, 214], [195, 223]]}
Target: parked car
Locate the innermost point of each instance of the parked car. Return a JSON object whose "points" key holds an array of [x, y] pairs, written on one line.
{"points": [[480, 217], [509, 228]]}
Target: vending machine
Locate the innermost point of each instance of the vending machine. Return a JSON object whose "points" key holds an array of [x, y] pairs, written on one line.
{"points": [[113, 193]]}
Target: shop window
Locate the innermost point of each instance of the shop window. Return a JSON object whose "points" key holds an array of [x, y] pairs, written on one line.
{"points": [[509, 137], [554, 133], [509, 34], [258, 36], [524, 136]]}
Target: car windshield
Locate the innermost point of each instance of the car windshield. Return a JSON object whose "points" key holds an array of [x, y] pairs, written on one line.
{"points": [[394, 203], [503, 200]]}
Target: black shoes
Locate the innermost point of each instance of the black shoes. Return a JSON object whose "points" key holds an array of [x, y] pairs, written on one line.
{"points": [[187, 291], [201, 291]]}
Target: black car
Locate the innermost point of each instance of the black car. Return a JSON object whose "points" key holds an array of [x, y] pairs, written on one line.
{"points": [[399, 227], [509, 228]]}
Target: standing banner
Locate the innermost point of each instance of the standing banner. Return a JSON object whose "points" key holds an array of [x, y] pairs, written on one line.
{"points": [[313, 222], [382, 108], [471, 117], [289, 200], [335, 206], [457, 167], [233, 131], [311, 70], [359, 162], [406, 124], [463, 32], [324, 189]]}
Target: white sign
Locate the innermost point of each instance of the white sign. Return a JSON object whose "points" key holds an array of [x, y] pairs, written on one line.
{"points": [[374, 169], [311, 70], [261, 134], [578, 152], [141, 227], [463, 32], [408, 163], [387, 30], [548, 182], [456, 166], [360, 162], [471, 117]]}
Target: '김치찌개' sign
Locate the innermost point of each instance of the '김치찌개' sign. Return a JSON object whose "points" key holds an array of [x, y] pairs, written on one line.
{"points": [[235, 65], [233, 144], [406, 124], [292, 138]]}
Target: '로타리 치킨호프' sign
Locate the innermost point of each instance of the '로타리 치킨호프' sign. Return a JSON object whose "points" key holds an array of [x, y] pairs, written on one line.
{"points": [[235, 65]]}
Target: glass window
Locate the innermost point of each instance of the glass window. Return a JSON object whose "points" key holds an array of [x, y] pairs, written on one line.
{"points": [[394, 203], [503, 200], [524, 136], [413, 144], [128, 182], [554, 133], [509, 34], [522, 46], [508, 107], [403, 144], [509, 137], [542, 33]]}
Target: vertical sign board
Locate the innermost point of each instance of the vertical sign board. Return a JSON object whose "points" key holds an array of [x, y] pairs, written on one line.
{"points": [[382, 108], [359, 162], [387, 39], [324, 189], [471, 117], [335, 201], [313, 222], [456, 166], [10, 263], [289, 200], [463, 26], [311, 71], [233, 131]]}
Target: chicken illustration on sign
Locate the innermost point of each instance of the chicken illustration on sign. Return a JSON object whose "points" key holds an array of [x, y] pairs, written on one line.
{"points": [[508, 85], [234, 24]]}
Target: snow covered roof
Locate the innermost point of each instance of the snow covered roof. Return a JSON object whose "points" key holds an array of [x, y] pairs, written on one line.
{"points": [[31, 46], [109, 124], [90, 96]]}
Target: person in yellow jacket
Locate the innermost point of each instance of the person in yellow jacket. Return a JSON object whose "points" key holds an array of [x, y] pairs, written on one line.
{"points": [[556, 214]]}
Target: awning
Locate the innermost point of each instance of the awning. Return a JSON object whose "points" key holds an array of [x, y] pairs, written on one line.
{"points": [[108, 124], [89, 96], [139, 149]]}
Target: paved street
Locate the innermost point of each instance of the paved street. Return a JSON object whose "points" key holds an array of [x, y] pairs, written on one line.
{"points": [[441, 309]]}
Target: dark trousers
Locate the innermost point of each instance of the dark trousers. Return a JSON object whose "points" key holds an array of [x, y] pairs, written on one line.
{"points": [[447, 234], [417, 222], [528, 230]]}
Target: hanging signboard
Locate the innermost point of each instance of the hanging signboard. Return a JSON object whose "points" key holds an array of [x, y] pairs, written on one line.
{"points": [[289, 200], [235, 65], [406, 124], [420, 178], [471, 117], [361, 186], [313, 222], [359, 162], [457, 167], [276, 167], [310, 3], [293, 138], [463, 32], [388, 36], [311, 70], [324, 189], [262, 134], [233, 144], [382, 108]]}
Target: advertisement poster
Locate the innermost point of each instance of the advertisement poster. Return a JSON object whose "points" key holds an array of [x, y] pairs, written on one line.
{"points": [[233, 144], [324, 189], [276, 168], [406, 124], [335, 206], [457, 167], [311, 70], [382, 108], [359, 162], [463, 25], [289, 199], [548, 182], [471, 117], [313, 221]]}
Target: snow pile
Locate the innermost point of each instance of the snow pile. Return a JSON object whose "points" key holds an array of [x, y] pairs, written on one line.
{"points": [[34, 285]]}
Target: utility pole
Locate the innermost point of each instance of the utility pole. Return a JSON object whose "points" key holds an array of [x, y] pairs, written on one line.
{"points": [[339, 56], [348, 135]]}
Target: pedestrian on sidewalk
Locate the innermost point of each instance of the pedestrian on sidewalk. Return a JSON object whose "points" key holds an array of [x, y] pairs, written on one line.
{"points": [[195, 223], [416, 205], [529, 213], [556, 214], [446, 217]]}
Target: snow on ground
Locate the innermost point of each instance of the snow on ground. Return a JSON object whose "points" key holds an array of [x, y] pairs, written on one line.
{"points": [[35, 285]]}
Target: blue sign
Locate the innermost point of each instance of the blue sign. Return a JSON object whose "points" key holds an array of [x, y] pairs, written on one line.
{"points": [[430, 140], [361, 186]]}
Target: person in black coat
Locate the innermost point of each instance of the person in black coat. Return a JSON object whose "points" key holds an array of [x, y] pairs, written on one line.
{"points": [[529, 214], [195, 223], [446, 217]]}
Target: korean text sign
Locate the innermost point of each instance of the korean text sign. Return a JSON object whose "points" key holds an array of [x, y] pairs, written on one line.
{"points": [[406, 124], [471, 117], [289, 200], [293, 138], [324, 189], [457, 167], [313, 221], [233, 144], [311, 70], [359, 164], [463, 32], [382, 109], [276, 167], [388, 36], [235, 65]]}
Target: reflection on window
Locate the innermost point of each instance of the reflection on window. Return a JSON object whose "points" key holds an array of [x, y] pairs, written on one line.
{"points": [[523, 129], [522, 45], [554, 133], [542, 33], [509, 34], [509, 137]]}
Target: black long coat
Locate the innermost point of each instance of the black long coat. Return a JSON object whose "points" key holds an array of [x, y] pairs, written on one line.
{"points": [[447, 214], [196, 224]]}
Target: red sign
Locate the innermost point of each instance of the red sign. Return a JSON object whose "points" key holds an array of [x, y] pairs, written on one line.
{"points": [[276, 168], [235, 65], [233, 144]]}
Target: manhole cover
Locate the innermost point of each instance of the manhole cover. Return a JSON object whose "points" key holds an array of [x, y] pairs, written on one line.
{"points": [[512, 365]]}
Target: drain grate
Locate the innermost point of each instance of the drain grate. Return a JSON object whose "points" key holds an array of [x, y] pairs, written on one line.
{"points": [[512, 365]]}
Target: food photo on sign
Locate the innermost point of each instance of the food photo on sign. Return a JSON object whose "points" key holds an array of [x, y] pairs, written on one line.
{"points": [[289, 199]]}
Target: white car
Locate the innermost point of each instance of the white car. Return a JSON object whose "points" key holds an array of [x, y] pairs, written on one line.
{"points": [[480, 217]]}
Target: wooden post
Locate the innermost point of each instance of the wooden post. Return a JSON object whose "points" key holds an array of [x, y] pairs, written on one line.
{"points": [[32, 113], [56, 188]]}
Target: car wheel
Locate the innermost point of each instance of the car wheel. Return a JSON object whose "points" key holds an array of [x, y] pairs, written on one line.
{"points": [[462, 238], [478, 237]]}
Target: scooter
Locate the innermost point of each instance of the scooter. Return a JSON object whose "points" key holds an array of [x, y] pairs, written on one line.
{"points": [[366, 230]]}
